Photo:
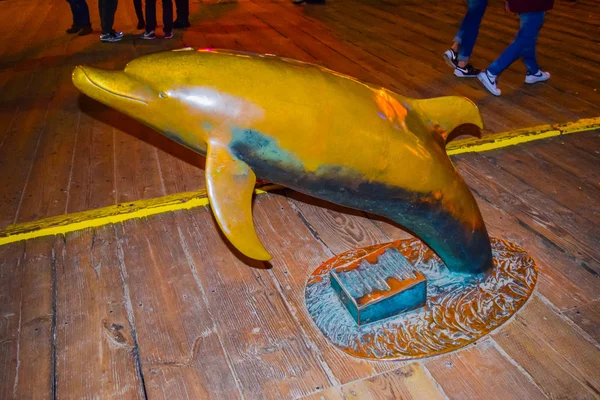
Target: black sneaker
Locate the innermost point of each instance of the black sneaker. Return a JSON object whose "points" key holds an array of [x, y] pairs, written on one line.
{"points": [[148, 35], [451, 58], [74, 29], [169, 35], [86, 30], [111, 37], [179, 24], [298, 1], [466, 72]]}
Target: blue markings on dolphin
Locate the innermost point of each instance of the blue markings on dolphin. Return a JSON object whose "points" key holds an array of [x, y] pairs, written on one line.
{"points": [[420, 213]]}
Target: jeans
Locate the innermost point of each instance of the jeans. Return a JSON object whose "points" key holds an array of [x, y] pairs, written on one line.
{"points": [[137, 4], [107, 9], [183, 10], [167, 6], [81, 13], [469, 28], [522, 46]]}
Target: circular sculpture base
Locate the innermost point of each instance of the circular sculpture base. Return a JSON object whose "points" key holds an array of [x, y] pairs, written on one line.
{"points": [[459, 310]]}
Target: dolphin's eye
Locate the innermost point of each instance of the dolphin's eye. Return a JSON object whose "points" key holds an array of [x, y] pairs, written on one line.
{"points": [[162, 95]]}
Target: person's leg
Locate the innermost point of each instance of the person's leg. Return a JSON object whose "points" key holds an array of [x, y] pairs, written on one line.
{"points": [[85, 14], [111, 11], [73, 13], [150, 19], [167, 8], [178, 11], [107, 9], [531, 23], [185, 12], [468, 31], [81, 15], [102, 10], [459, 35], [83, 18], [524, 42], [137, 4]]}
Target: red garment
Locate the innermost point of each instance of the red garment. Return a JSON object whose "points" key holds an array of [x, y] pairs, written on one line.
{"points": [[528, 6]]}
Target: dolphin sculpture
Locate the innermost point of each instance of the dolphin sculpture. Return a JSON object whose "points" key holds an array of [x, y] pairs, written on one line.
{"points": [[310, 129]]}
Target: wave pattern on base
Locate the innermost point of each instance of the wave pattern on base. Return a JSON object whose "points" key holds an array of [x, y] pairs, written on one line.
{"points": [[460, 308]]}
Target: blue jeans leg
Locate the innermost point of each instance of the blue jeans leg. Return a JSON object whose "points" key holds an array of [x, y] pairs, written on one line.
{"points": [[522, 46], [469, 28]]}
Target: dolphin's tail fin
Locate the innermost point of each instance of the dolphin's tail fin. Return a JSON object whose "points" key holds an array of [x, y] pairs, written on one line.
{"points": [[456, 116]]}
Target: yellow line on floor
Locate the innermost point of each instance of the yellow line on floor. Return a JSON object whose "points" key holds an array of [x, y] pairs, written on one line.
{"points": [[63, 224], [511, 138], [66, 223]]}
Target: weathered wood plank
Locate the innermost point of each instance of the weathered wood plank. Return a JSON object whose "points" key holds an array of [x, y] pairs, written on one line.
{"points": [[26, 328], [587, 317], [35, 360], [408, 382], [16, 45], [181, 172], [579, 197], [382, 71], [138, 175], [92, 174], [563, 363], [267, 349], [340, 228], [298, 249], [20, 14], [47, 187], [322, 54], [11, 258], [332, 393], [96, 353], [581, 165], [180, 350], [481, 371], [20, 145], [565, 278], [588, 142], [540, 213]]}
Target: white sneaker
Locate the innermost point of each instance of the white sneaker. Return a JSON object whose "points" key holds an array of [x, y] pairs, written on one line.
{"points": [[539, 76], [489, 81], [148, 35]]}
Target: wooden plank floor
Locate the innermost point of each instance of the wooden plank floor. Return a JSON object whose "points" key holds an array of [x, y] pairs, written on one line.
{"points": [[164, 308], [61, 152]]}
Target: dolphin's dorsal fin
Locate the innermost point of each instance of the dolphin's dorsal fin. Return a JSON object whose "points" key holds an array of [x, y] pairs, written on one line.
{"points": [[230, 184], [449, 113]]}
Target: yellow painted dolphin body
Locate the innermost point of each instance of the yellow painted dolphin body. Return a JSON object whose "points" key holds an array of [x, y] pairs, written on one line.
{"points": [[310, 129]]}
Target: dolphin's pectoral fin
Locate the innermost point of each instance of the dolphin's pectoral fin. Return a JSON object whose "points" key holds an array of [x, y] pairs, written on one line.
{"points": [[456, 115], [230, 184]]}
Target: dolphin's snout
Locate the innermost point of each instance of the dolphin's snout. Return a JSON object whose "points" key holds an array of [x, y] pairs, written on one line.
{"points": [[111, 86]]}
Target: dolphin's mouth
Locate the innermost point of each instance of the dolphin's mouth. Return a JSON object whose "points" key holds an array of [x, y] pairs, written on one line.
{"points": [[104, 89]]}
